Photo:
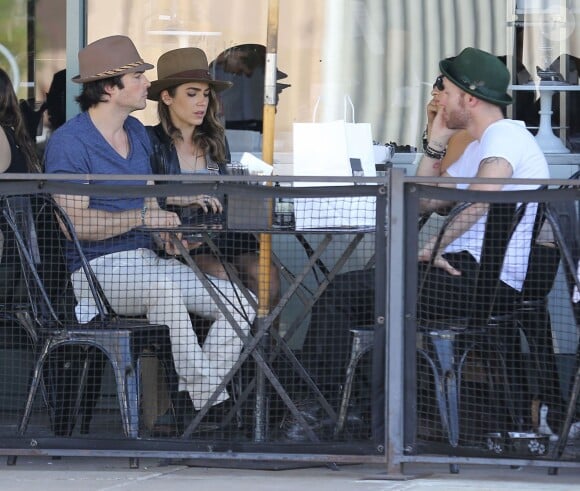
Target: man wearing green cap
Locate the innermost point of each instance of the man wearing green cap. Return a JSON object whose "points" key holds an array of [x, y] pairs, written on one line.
{"points": [[475, 85], [474, 93]]}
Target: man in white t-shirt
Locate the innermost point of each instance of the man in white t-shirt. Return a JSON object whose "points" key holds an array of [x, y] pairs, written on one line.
{"points": [[475, 84], [473, 98]]}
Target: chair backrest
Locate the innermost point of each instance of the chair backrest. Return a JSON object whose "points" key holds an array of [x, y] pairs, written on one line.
{"points": [[500, 223], [20, 216], [565, 244], [565, 215], [543, 261]]}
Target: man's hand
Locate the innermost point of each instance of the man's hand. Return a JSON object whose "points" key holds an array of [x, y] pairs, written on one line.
{"points": [[432, 108], [440, 134], [159, 218], [426, 253]]}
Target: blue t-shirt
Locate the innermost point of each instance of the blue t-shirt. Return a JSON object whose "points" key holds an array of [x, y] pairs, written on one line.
{"points": [[78, 147]]}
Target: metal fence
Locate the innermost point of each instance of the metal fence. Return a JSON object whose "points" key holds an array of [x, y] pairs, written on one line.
{"points": [[170, 346], [334, 343], [489, 362]]}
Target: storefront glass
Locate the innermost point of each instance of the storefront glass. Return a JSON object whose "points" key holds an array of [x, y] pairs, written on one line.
{"points": [[32, 47], [381, 54]]}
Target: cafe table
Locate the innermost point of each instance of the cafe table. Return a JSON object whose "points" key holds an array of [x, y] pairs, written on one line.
{"points": [[255, 345]]}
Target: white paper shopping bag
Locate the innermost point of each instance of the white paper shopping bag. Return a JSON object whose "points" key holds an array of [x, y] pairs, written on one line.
{"points": [[334, 148]]}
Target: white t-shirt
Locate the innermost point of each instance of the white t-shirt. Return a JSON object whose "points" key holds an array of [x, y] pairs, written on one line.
{"points": [[511, 141]]}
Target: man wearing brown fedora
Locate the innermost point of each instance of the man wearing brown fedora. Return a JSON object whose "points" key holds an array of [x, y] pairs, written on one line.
{"points": [[472, 96], [105, 139]]}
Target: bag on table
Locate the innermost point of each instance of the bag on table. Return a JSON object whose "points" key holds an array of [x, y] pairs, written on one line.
{"points": [[335, 148]]}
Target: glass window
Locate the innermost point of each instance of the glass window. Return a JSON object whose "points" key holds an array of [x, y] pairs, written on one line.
{"points": [[32, 50], [382, 54], [546, 47]]}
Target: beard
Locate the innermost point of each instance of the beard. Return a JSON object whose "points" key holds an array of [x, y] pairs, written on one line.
{"points": [[458, 119]]}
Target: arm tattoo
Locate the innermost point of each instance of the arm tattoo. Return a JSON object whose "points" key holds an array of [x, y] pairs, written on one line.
{"points": [[490, 161]]}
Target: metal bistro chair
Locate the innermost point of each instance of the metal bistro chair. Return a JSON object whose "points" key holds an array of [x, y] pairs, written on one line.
{"points": [[362, 342], [439, 336], [528, 317], [121, 341], [565, 220]]}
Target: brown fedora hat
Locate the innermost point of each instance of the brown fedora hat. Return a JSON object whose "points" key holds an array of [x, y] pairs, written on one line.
{"points": [[109, 57], [180, 66]]}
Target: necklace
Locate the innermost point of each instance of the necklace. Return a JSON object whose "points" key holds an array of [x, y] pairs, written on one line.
{"points": [[191, 160], [198, 156]]}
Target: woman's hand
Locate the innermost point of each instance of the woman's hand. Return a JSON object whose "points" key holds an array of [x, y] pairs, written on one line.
{"points": [[204, 201], [170, 242], [207, 203]]}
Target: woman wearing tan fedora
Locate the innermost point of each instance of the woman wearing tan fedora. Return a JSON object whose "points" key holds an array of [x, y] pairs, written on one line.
{"points": [[190, 140]]}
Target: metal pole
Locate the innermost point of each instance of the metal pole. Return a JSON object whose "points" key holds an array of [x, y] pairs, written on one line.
{"points": [[268, 147], [264, 270]]}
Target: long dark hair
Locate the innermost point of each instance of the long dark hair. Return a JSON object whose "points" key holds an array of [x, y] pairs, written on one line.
{"points": [[11, 116], [209, 136]]}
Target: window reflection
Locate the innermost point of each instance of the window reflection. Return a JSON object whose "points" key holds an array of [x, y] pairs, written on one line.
{"points": [[383, 54]]}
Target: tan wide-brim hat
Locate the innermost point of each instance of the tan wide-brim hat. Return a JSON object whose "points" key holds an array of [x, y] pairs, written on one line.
{"points": [[181, 66], [109, 57]]}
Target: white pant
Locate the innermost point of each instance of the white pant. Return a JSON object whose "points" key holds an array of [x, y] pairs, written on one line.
{"points": [[139, 282]]}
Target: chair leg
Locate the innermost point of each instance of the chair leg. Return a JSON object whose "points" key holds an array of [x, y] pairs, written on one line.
{"points": [[447, 389], [362, 342], [34, 384], [346, 391], [565, 430], [127, 382], [127, 394], [446, 386], [80, 393]]}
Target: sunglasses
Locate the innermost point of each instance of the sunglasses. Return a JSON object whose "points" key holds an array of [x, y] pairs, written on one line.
{"points": [[438, 83]]}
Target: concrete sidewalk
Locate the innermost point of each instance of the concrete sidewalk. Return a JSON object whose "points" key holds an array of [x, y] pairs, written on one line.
{"points": [[100, 474]]}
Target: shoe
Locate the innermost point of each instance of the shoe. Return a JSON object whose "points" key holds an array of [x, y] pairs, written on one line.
{"points": [[315, 417], [184, 410], [354, 416], [216, 415], [165, 425], [185, 413]]}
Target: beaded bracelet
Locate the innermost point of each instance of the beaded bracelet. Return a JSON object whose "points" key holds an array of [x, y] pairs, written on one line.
{"points": [[425, 139], [434, 154]]}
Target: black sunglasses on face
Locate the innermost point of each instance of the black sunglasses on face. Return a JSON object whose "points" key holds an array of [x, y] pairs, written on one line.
{"points": [[438, 83]]}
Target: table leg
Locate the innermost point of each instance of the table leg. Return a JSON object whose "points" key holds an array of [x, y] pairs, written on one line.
{"points": [[252, 348]]}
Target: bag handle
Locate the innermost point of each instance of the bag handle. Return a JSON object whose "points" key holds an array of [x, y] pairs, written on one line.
{"points": [[346, 103]]}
